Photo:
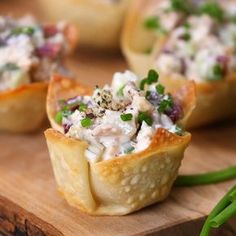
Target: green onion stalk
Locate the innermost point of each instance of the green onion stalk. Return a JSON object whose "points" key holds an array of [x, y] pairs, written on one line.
{"points": [[206, 178], [223, 211]]}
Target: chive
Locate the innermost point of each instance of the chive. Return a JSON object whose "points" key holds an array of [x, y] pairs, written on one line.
{"points": [[10, 66], [186, 25], [160, 89], [129, 150], [217, 72], [153, 76], [178, 130], [148, 93], [58, 117], [144, 116], [142, 84], [152, 22], [212, 9], [224, 202], [86, 122], [223, 216], [232, 195], [180, 6], [165, 104], [126, 117], [186, 36], [207, 178], [23, 30], [82, 107], [120, 92]]}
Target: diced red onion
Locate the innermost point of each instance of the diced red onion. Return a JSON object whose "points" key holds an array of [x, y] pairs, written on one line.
{"points": [[66, 127], [49, 50], [175, 113], [50, 30]]}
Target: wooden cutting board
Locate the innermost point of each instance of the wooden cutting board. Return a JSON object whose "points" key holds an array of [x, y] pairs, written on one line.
{"points": [[31, 205]]}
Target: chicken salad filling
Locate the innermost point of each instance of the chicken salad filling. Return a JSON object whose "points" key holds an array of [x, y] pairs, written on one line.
{"points": [[29, 52], [121, 118], [201, 38]]}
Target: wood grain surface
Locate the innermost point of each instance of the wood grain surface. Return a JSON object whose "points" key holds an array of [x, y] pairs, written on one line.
{"points": [[31, 205]]}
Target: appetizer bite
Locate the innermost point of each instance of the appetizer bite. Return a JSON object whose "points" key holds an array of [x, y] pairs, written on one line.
{"points": [[187, 40], [99, 22], [29, 53], [117, 149]]}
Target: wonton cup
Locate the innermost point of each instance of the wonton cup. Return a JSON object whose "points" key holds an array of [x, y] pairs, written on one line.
{"points": [[215, 100], [121, 185], [98, 22], [22, 109]]}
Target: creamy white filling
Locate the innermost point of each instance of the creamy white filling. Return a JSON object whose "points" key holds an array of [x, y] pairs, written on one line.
{"points": [[19, 49], [196, 57], [109, 136]]}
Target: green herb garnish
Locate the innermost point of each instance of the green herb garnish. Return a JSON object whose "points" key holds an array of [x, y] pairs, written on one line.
{"points": [[165, 104], [126, 117], [120, 92], [148, 93], [186, 36], [180, 6], [153, 23], [58, 117], [23, 30], [152, 77], [220, 211], [208, 178], [64, 112], [144, 116], [178, 130], [86, 122], [129, 149], [217, 72], [160, 89], [186, 25], [10, 66], [212, 9], [142, 84], [82, 107]]}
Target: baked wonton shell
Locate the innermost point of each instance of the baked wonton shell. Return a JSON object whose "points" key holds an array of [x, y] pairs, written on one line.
{"points": [[121, 185], [214, 100], [22, 109], [98, 22]]}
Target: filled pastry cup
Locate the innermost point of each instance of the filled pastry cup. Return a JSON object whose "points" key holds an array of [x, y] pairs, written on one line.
{"points": [[99, 22], [25, 70], [143, 47], [119, 182]]}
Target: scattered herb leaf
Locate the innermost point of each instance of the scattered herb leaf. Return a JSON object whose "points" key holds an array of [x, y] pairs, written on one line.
{"points": [[144, 116], [86, 122]]}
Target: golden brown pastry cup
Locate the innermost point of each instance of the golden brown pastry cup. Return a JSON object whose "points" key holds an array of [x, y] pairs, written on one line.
{"points": [[22, 110], [99, 23], [121, 185], [215, 100]]}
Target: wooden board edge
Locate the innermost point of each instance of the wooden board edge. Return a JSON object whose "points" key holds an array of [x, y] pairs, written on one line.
{"points": [[14, 220]]}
